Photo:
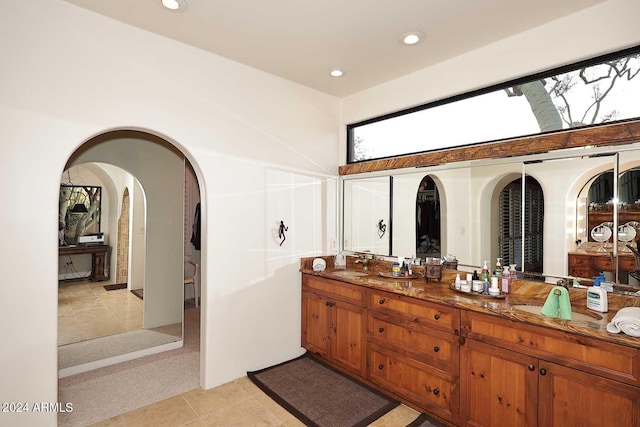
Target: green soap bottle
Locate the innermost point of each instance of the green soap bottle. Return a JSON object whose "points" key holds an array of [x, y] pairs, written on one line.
{"points": [[498, 270], [485, 271]]}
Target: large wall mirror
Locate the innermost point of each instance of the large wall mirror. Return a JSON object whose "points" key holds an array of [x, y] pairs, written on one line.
{"points": [[367, 215], [535, 211]]}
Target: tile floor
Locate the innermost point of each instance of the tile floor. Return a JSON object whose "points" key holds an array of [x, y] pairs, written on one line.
{"points": [[239, 403], [86, 310]]}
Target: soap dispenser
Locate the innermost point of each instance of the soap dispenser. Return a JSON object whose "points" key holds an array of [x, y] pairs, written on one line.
{"points": [[506, 280], [597, 296], [485, 271], [498, 270]]}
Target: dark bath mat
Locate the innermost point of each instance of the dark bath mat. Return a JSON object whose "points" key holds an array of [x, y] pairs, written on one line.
{"points": [[138, 292], [319, 396], [115, 287]]}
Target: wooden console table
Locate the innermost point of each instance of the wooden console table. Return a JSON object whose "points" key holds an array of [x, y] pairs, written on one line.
{"points": [[98, 253], [589, 264]]}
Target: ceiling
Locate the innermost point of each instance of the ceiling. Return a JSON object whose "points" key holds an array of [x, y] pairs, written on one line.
{"points": [[302, 40]]}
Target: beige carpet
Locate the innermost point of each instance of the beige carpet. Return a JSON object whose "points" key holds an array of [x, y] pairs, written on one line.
{"points": [[102, 348], [106, 392]]}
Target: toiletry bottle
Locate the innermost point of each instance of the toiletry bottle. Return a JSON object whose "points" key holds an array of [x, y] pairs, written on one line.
{"points": [[506, 280], [498, 270], [597, 297], [485, 271], [457, 284], [395, 270], [513, 272]]}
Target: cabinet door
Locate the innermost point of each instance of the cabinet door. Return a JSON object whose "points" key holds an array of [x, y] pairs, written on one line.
{"points": [[315, 324], [497, 387], [348, 337], [573, 398], [425, 386]]}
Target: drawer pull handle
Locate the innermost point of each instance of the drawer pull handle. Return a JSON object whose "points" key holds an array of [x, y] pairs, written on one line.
{"points": [[437, 316], [531, 368], [329, 304], [543, 371], [381, 330], [436, 349], [380, 366], [436, 391], [381, 301]]}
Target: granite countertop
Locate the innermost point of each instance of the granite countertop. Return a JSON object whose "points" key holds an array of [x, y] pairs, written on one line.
{"points": [[523, 292]]}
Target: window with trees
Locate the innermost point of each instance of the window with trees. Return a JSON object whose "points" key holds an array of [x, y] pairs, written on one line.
{"points": [[593, 92]]}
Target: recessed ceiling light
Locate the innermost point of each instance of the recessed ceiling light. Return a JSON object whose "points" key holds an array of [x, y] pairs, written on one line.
{"points": [[175, 5], [336, 73], [412, 38]]}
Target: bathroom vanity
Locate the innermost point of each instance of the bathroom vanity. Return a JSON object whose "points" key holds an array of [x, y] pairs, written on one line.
{"points": [[472, 360]]}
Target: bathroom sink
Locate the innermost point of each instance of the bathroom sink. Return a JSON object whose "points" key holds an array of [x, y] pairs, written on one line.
{"points": [[536, 309], [348, 274]]}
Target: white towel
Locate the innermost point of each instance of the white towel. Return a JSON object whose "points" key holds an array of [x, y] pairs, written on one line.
{"points": [[626, 320]]}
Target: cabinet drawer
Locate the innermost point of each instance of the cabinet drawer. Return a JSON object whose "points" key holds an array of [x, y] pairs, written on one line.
{"points": [[627, 263], [579, 261], [419, 312], [602, 263], [421, 384], [430, 346], [609, 360], [585, 273], [333, 288]]}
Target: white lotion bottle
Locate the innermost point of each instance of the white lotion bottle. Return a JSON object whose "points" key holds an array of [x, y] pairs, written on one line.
{"points": [[597, 298]]}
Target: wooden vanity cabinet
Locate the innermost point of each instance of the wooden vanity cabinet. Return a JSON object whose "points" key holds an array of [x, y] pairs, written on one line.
{"points": [[470, 368], [413, 350], [523, 375], [334, 322]]}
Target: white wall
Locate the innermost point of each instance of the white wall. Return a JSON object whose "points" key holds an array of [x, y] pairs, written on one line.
{"points": [[68, 75], [137, 236], [603, 28]]}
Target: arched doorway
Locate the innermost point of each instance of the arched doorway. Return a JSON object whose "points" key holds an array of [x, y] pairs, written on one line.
{"points": [[160, 170]]}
